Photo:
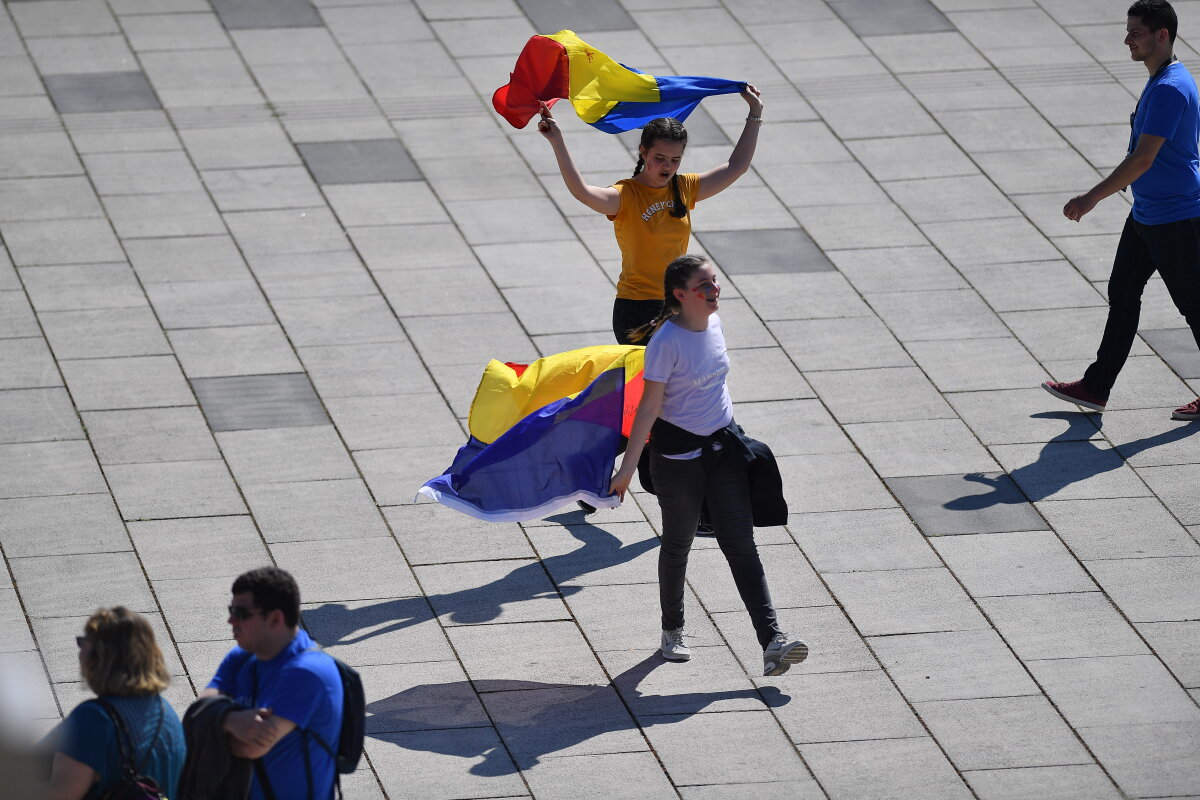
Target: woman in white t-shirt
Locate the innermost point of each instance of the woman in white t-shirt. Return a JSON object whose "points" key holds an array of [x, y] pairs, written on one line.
{"points": [[687, 414]]}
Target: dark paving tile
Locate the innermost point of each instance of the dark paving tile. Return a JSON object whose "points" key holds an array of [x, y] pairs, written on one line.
{"points": [[101, 91], [986, 502], [1177, 347], [883, 17], [248, 402], [764, 251], [578, 15], [360, 161], [243, 14]]}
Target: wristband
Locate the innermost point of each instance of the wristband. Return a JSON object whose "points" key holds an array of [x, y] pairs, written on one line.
{"points": [[752, 118]]}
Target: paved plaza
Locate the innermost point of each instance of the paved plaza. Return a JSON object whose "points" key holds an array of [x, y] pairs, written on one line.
{"points": [[256, 254]]}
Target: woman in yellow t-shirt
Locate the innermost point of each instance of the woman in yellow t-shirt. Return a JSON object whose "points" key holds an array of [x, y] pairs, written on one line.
{"points": [[650, 211]]}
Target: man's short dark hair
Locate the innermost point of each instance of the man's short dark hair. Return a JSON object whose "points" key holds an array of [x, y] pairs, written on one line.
{"points": [[1155, 15], [273, 588]]}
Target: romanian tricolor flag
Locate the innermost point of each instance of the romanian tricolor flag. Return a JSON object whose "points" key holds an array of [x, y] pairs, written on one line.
{"points": [[544, 435], [606, 95]]}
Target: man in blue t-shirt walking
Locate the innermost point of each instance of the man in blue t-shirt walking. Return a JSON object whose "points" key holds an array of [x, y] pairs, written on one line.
{"points": [[291, 690], [1163, 231]]}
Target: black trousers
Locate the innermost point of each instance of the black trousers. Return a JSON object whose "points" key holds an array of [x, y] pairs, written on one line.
{"points": [[1174, 250], [682, 488], [630, 314]]}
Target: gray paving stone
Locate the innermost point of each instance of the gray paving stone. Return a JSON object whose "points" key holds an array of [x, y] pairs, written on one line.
{"points": [[598, 553], [310, 510], [902, 393], [76, 585], [393, 474], [1124, 528], [366, 161], [1008, 287], [884, 768], [174, 32], [48, 468], [843, 182], [198, 547], [41, 704], [111, 383], [960, 197], [826, 344], [37, 415], [550, 652], [142, 172], [1077, 782], [998, 241], [1068, 471], [1091, 255], [793, 582], [367, 423], [273, 14], [652, 688], [356, 370], [241, 351], [392, 631], [1016, 563], [766, 373], [209, 304], [1145, 759], [487, 222], [854, 541], [62, 241], [1016, 416], [626, 617], [1171, 484], [14, 629], [48, 526], [82, 287], [915, 601], [168, 490], [982, 665], [805, 295], [186, 258], [553, 16], [101, 91], [1114, 690], [430, 764], [1062, 626], [1150, 589], [361, 569], [793, 427], [284, 231], [58, 55], [247, 145], [962, 315], [1177, 347], [875, 18], [338, 320], [195, 609], [279, 455], [104, 333], [869, 225], [150, 435], [920, 447], [429, 534], [773, 251], [470, 593], [1002, 732], [636, 775], [262, 188], [259, 401], [427, 696], [47, 198], [682, 745], [1176, 644], [173, 214], [846, 706], [831, 482], [18, 318]]}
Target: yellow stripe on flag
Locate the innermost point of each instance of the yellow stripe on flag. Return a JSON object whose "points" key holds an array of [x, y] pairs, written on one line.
{"points": [[598, 83]]}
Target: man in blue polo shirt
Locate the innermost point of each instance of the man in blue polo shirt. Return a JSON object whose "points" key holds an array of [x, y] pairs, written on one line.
{"points": [[292, 691], [1163, 231]]}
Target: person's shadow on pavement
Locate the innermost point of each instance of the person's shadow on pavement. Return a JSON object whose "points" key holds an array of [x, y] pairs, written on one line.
{"points": [[336, 624], [1068, 458], [534, 719]]}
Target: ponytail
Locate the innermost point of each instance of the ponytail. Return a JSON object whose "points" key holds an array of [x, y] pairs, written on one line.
{"points": [[676, 276], [679, 210]]}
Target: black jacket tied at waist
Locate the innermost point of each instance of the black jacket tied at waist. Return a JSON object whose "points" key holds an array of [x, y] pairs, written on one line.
{"points": [[766, 486]]}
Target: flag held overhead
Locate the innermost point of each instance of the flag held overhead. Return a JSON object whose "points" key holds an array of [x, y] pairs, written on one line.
{"points": [[606, 95]]}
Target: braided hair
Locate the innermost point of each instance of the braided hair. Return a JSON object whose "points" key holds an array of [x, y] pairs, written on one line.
{"points": [[678, 273], [664, 129]]}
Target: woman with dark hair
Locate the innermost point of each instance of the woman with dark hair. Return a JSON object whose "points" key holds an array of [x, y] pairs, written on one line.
{"points": [[122, 664], [651, 210], [696, 454]]}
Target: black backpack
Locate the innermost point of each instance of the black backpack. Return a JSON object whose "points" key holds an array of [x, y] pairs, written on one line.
{"points": [[350, 737], [134, 785]]}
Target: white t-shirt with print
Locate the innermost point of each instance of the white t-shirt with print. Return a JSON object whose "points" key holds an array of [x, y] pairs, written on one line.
{"points": [[693, 365]]}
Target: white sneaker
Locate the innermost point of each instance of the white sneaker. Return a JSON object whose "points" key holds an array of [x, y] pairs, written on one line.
{"points": [[781, 653], [673, 648]]}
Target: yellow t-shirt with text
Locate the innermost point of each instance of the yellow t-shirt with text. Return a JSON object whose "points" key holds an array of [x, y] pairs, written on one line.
{"points": [[649, 237]]}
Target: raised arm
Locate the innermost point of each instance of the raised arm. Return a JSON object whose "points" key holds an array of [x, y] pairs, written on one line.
{"points": [[1128, 171], [648, 408], [603, 199], [720, 178]]}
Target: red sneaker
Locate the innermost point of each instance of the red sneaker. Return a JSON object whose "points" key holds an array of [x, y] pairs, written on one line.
{"points": [[1074, 392], [1189, 412]]}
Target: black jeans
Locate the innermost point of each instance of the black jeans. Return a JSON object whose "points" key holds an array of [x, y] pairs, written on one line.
{"points": [[682, 487], [630, 314], [1174, 250]]}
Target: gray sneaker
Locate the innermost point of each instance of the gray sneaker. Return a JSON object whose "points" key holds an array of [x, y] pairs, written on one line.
{"points": [[781, 653], [673, 648]]}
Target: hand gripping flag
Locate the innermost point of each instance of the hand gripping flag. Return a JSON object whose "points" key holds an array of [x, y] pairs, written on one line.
{"points": [[606, 95], [544, 435]]}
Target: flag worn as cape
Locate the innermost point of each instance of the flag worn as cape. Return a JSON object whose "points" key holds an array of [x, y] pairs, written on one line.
{"points": [[606, 95], [544, 435]]}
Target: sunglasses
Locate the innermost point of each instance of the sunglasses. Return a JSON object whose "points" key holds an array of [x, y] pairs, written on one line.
{"points": [[243, 613], [81, 641]]}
